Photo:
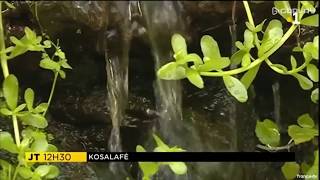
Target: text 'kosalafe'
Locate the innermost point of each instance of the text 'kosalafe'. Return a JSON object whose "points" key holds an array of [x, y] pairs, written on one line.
{"points": [[107, 156]]}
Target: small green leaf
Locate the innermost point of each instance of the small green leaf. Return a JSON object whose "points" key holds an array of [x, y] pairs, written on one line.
{"points": [[29, 98], [304, 82], [64, 64], [53, 172], [7, 143], [171, 71], [42, 170], [271, 36], [248, 39], [148, 169], [47, 43], [16, 41], [290, 170], [250, 26], [293, 62], [52, 148], [297, 49], [176, 149], [9, 5], [284, 9], [36, 177], [25, 172], [39, 145], [316, 42], [195, 78], [6, 167], [25, 143], [307, 5], [209, 47], [280, 66], [6, 112], [41, 108], [31, 35], [214, 64], [236, 88], [178, 167], [301, 135], [19, 108], [160, 143], [190, 58], [239, 45], [139, 148], [315, 95], [236, 58], [62, 74], [260, 26], [246, 60], [268, 132], [313, 72], [10, 91], [179, 45], [305, 121], [60, 54], [249, 76], [19, 49], [49, 64], [314, 169], [31, 133], [35, 120], [311, 21], [310, 52]]}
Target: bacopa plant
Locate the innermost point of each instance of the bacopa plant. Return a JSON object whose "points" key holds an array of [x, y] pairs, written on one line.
{"points": [[32, 137], [266, 41], [268, 134], [149, 169]]}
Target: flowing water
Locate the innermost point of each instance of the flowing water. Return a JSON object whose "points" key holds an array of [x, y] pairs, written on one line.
{"points": [[160, 16], [117, 45], [162, 20], [276, 103]]}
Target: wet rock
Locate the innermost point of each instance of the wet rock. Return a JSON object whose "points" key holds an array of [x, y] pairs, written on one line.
{"points": [[54, 15], [93, 108], [232, 123]]}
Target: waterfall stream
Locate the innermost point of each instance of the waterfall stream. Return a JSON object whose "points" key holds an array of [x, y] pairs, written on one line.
{"points": [[158, 16], [276, 103], [163, 19], [117, 45]]}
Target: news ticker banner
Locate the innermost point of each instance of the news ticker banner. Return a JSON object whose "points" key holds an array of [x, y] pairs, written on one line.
{"points": [[159, 156]]}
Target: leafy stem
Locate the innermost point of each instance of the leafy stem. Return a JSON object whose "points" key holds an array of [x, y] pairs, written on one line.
{"points": [[5, 70], [52, 90], [270, 148], [16, 130], [250, 19], [16, 171], [293, 71], [4, 64], [248, 11], [257, 61]]}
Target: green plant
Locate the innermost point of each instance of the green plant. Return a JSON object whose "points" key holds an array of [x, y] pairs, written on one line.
{"points": [[266, 42], [34, 138], [151, 168], [268, 134]]}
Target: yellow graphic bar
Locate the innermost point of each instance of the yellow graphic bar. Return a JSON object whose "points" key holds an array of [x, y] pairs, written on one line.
{"points": [[56, 156]]}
